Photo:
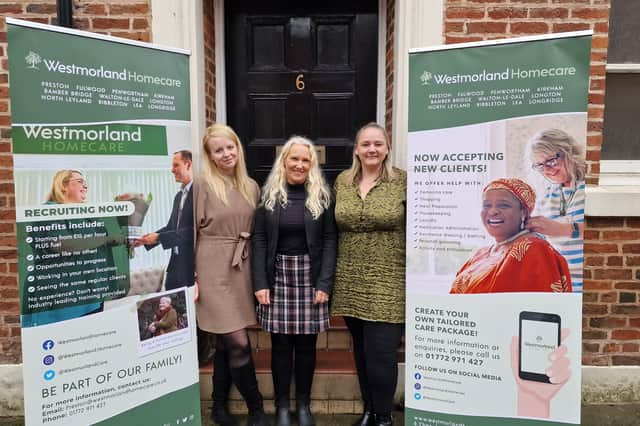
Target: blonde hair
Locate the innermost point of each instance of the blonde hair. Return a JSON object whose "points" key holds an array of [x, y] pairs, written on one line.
{"points": [[555, 141], [353, 175], [60, 181], [218, 182], [275, 188]]}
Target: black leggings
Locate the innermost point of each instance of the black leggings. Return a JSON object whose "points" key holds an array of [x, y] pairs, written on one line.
{"points": [[283, 347], [375, 349]]}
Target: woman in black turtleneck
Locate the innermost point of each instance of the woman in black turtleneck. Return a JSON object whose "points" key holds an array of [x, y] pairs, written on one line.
{"points": [[293, 265]]}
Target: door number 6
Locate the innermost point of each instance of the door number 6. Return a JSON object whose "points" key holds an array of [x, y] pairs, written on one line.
{"points": [[300, 82]]}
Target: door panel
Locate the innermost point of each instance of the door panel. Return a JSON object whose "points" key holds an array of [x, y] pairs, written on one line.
{"points": [[307, 70]]}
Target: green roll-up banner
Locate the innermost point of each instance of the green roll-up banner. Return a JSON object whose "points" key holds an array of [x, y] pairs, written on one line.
{"points": [[495, 218], [95, 123]]}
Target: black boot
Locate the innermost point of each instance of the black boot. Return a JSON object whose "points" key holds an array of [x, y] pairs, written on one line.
{"points": [[303, 411], [383, 420], [221, 387], [245, 379], [366, 419], [283, 416]]}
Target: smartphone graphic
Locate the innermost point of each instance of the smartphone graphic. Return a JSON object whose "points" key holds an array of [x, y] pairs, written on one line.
{"points": [[539, 336]]}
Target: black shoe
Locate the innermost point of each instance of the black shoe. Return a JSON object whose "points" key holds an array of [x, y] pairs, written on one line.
{"points": [[283, 417], [382, 420], [305, 418], [366, 419], [220, 415], [257, 418]]}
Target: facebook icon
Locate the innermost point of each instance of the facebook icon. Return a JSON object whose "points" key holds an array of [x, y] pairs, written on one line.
{"points": [[47, 344]]}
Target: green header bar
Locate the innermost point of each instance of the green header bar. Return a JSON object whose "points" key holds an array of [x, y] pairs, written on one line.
{"points": [[104, 139], [57, 84], [459, 87]]}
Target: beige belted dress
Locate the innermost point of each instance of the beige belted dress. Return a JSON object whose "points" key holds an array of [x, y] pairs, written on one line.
{"points": [[223, 269]]}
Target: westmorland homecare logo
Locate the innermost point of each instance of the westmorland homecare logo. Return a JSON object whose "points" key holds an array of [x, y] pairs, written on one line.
{"points": [[428, 77], [33, 59]]}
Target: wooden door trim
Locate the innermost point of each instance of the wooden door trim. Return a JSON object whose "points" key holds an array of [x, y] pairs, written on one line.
{"points": [[221, 82]]}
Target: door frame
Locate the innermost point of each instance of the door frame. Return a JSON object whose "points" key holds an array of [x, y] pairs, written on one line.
{"points": [[221, 82]]}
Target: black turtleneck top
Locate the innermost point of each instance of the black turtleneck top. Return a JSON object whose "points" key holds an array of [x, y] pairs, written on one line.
{"points": [[291, 233]]}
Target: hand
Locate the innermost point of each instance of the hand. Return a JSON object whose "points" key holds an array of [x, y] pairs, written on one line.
{"points": [[196, 292], [263, 296], [152, 327], [321, 297], [552, 228], [534, 397], [147, 239]]}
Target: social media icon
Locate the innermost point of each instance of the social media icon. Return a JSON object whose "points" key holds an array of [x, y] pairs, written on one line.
{"points": [[417, 396], [48, 360], [417, 386], [49, 375], [417, 376], [48, 345]]}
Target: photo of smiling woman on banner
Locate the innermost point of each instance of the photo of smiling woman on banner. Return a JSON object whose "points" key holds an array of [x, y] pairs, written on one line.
{"points": [[519, 260], [559, 214]]}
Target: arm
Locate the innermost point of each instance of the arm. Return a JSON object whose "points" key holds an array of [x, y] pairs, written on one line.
{"points": [[259, 252], [329, 250], [169, 321]]}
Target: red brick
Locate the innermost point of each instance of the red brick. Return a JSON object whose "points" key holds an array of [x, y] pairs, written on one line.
{"points": [[9, 307], [627, 285], [9, 293], [529, 27], [594, 261], [43, 9], [633, 222], [597, 360], [607, 322], [549, 13], [570, 26], [594, 309], [597, 285], [455, 40], [601, 248], [599, 42], [611, 348], [614, 261], [604, 222], [129, 9], [634, 322], [614, 274], [625, 360], [484, 27], [140, 24], [590, 234], [625, 309], [464, 13], [631, 248], [610, 297], [630, 347], [592, 348], [601, 27], [110, 23], [7, 9], [507, 12], [590, 13], [632, 261], [589, 297], [453, 27], [594, 335], [91, 9]]}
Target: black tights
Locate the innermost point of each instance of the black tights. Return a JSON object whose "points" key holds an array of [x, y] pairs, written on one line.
{"points": [[283, 348], [236, 346], [375, 349]]}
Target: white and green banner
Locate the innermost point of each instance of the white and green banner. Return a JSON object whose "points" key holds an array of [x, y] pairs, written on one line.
{"points": [[495, 222], [95, 123]]}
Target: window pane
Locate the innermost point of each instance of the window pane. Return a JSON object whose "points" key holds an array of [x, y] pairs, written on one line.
{"points": [[624, 32], [622, 118]]}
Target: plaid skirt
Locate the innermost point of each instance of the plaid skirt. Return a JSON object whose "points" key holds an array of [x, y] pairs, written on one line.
{"points": [[292, 310]]}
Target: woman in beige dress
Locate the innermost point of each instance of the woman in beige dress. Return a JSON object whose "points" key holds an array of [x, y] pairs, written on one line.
{"points": [[225, 200]]}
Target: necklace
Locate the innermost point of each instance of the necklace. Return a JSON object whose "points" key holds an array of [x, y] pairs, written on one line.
{"points": [[564, 203], [497, 245]]}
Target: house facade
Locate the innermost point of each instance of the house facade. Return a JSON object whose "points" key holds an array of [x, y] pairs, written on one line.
{"points": [[355, 54]]}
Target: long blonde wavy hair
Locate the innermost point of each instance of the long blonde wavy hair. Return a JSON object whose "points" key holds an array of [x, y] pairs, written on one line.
{"points": [[60, 181], [219, 182], [275, 188], [353, 175]]}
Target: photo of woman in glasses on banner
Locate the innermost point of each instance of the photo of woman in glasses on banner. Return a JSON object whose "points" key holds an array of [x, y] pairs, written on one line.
{"points": [[559, 213]]}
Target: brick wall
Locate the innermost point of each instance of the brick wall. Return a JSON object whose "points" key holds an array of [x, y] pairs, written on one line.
{"points": [[209, 63], [121, 18], [611, 313], [389, 50]]}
